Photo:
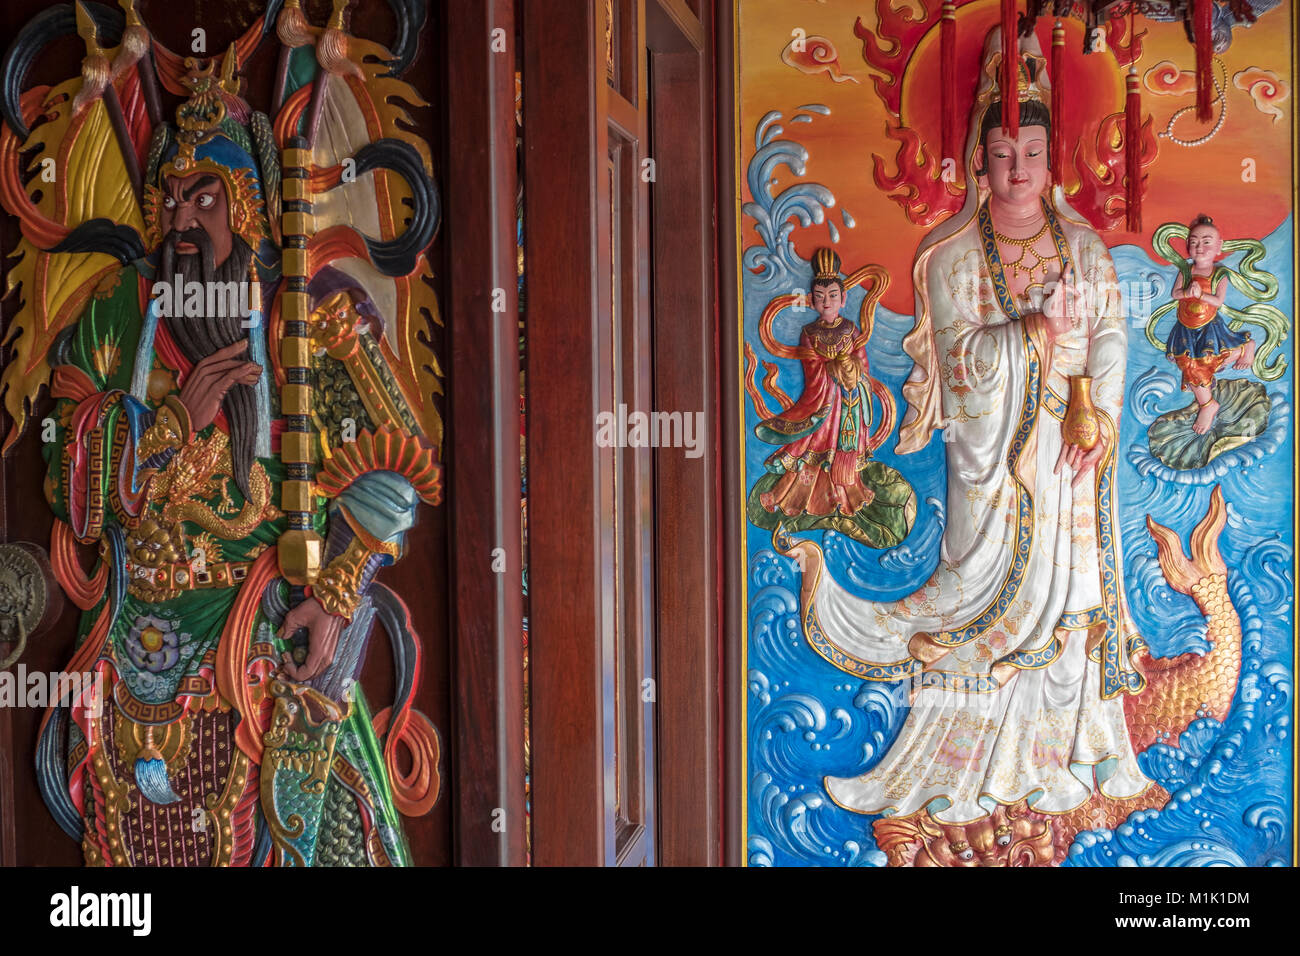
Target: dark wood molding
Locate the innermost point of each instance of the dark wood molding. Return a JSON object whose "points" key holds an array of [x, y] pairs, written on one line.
{"points": [[483, 485], [672, 26], [8, 818], [686, 505], [632, 326], [571, 615], [624, 115], [733, 612]]}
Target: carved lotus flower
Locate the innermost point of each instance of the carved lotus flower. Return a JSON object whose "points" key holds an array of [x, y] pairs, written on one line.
{"points": [[960, 749]]}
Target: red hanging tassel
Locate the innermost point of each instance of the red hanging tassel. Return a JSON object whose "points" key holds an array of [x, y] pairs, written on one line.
{"points": [[1202, 32], [1133, 151], [1057, 78], [948, 79], [1010, 61]]}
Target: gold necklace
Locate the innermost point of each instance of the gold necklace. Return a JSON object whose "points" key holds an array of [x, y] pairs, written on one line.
{"points": [[1026, 249]]}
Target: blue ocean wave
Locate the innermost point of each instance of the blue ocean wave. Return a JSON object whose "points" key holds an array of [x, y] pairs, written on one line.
{"points": [[1150, 396], [1243, 456], [777, 214], [1229, 802]]}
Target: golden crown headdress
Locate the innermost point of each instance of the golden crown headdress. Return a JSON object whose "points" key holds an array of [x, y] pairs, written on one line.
{"points": [[1032, 82], [826, 264]]}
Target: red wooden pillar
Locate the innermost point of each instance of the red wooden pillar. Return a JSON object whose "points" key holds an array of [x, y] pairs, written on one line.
{"points": [[566, 220], [483, 470], [686, 489]]}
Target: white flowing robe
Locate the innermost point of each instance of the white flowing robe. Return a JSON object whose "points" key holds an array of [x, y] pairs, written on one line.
{"points": [[1029, 570]]}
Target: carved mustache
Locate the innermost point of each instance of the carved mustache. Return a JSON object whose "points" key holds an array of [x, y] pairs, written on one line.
{"points": [[196, 236]]}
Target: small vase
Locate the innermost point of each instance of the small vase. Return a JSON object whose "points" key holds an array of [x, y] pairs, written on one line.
{"points": [[1081, 426]]}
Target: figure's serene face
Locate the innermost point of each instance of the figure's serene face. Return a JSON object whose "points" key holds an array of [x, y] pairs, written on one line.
{"points": [[826, 301], [1203, 245], [1016, 166], [197, 201]]}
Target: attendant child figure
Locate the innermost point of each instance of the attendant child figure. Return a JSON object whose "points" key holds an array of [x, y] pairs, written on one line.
{"points": [[1201, 344]]}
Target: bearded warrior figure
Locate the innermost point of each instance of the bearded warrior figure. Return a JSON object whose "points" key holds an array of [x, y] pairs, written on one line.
{"points": [[228, 312]]}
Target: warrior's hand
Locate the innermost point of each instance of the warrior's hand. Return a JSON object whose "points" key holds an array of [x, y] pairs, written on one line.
{"points": [[208, 383], [323, 629]]}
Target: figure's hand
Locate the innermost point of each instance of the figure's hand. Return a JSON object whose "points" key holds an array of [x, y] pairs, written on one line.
{"points": [[1194, 290], [1080, 461], [208, 383], [844, 372], [1059, 305], [323, 629]]}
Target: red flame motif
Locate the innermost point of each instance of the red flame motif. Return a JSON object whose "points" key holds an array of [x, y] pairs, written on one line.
{"points": [[919, 186], [815, 55], [1094, 172], [1125, 47], [904, 33], [1100, 163]]}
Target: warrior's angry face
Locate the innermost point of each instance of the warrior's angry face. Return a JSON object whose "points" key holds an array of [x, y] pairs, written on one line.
{"points": [[197, 201]]}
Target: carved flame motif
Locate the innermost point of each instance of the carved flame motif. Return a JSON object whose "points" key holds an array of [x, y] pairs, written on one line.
{"points": [[1099, 162], [1126, 46], [918, 186], [904, 44]]}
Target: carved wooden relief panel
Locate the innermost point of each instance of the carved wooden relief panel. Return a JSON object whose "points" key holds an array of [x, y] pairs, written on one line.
{"points": [[224, 286], [1018, 433]]}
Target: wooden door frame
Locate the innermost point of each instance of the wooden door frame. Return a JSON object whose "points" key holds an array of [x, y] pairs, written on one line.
{"points": [[566, 294], [727, 186], [483, 470], [566, 223], [687, 490]]}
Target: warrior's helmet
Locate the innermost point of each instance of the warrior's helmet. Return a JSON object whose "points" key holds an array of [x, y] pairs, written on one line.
{"points": [[217, 133]]}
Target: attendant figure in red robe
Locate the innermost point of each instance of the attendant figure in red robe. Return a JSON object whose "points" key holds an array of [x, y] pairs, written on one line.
{"points": [[824, 435]]}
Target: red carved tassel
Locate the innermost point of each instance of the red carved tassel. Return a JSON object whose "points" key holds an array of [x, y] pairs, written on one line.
{"points": [[948, 79], [1057, 78], [1133, 151], [1010, 89], [1202, 32]]}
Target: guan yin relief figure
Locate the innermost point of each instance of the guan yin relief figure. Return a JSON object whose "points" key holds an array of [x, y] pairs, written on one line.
{"points": [[225, 308], [1020, 645], [1003, 707]]}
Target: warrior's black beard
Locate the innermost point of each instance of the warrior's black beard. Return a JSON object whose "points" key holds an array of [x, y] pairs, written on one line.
{"points": [[200, 336]]}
